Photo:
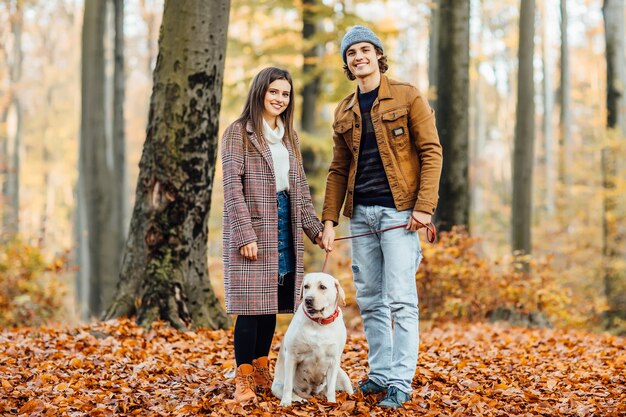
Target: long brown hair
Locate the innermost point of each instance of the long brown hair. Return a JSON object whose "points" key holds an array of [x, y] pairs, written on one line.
{"points": [[253, 110]]}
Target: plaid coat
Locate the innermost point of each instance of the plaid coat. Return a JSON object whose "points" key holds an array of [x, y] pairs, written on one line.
{"points": [[250, 214]]}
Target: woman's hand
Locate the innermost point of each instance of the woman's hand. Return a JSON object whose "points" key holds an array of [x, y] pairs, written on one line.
{"points": [[318, 240], [249, 251]]}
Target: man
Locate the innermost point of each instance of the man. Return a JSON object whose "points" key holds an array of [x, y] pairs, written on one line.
{"points": [[386, 166]]}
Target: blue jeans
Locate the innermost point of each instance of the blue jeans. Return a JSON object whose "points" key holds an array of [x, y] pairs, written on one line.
{"points": [[384, 267], [286, 255]]}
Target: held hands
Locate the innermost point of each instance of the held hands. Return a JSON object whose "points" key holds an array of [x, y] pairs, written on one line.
{"points": [[422, 217], [249, 251], [318, 240]]}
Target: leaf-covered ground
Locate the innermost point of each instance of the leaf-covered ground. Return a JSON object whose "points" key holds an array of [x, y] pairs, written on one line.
{"points": [[116, 368]]}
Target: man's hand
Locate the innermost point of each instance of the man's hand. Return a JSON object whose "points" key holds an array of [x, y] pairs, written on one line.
{"points": [[328, 235], [422, 217], [249, 251]]}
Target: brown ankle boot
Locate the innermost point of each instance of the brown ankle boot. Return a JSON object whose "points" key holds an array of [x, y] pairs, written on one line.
{"points": [[262, 377], [244, 380]]}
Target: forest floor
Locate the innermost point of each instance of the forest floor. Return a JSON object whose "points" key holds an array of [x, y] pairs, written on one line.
{"points": [[116, 368]]}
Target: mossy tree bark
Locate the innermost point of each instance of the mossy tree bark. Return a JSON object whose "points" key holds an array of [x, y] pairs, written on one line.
{"points": [[164, 271]]}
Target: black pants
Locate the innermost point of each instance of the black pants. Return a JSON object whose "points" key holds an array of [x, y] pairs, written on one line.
{"points": [[254, 333]]}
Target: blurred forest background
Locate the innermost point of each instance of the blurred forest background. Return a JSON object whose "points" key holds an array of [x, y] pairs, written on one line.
{"points": [[530, 105]]}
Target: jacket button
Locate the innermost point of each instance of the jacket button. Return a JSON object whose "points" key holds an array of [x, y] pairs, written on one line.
{"points": [[356, 125]]}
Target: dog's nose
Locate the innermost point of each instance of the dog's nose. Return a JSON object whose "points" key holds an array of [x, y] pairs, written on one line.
{"points": [[308, 301]]}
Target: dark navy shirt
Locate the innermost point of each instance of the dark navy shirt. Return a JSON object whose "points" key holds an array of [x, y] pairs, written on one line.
{"points": [[371, 187]]}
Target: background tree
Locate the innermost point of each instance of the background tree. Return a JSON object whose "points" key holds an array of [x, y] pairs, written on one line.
{"points": [[102, 159], [524, 133], [613, 228], [548, 107], [119, 140], [310, 70], [11, 115], [452, 112], [164, 272], [565, 98], [433, 50], [91, 156]]}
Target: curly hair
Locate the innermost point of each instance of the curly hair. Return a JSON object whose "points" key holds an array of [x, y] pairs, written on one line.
{"points": [[382, 65]]}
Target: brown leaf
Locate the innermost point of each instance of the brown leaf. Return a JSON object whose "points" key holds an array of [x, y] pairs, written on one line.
{"points": [[33, 406], [348, 406]]}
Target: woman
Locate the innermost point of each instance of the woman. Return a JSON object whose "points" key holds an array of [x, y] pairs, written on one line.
{"points": [[267, 202]]}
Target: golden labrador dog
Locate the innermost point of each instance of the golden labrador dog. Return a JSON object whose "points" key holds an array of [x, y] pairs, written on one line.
{"points": [[309, 358]]}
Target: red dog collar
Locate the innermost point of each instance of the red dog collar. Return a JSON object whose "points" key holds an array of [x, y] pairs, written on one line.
{"points": [[322, 320]]}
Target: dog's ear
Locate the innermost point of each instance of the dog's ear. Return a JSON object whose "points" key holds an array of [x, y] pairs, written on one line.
{"points": [[340, 293]]}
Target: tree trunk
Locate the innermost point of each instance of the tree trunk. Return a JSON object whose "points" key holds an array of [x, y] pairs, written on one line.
{"points": [[479, 129], [565, 94], [613, 225], [96, 165], [164, 269], [452, 113], [548, 107], [13, 119], [92, 134], [11, 190], [119, 138], [524, 134], [310, 75], [433, 49]]}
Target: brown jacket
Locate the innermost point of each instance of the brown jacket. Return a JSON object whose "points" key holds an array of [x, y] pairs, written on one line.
{"points": [[408, 143]]}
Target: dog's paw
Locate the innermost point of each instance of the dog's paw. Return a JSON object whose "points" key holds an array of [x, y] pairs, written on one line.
{"points": [[285, 403]]}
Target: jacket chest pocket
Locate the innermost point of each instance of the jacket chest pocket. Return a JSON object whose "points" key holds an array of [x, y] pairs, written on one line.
{"points": [[396, 127], [345, 130]]}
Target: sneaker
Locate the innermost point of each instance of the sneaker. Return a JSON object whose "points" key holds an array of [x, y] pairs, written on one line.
{"points": [[370, 387], [394, 398]]}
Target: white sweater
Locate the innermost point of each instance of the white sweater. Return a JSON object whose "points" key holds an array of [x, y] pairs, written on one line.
{"points": [[280, 155]]}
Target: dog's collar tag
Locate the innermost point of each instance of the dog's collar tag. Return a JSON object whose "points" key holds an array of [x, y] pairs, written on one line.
{"points": [[323, 321]]}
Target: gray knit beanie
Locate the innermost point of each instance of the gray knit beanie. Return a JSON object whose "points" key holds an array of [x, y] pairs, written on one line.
{"points": [[358, 34]]}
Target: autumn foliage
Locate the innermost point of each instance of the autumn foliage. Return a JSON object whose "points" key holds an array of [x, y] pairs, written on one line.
{"points": [[119, 369], [30, 292], [456, 281]]}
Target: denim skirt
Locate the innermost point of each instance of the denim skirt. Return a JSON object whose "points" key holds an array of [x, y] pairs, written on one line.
{"points": [[286, 255]]}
